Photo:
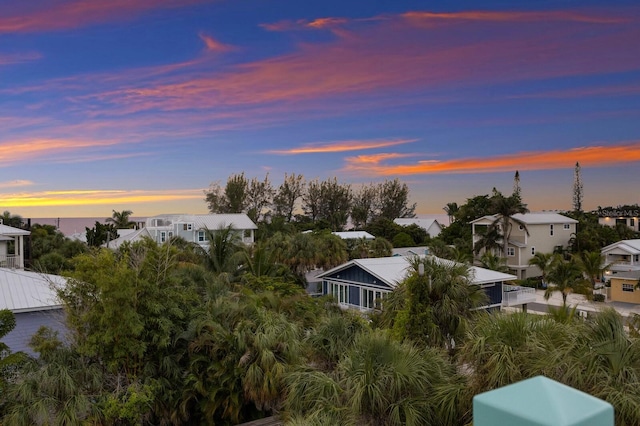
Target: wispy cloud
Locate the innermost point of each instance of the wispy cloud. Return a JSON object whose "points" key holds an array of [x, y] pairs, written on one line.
{"points": [[15, 183], [51, 149], [306, 24], [18, 58], [214, 45], [342, 146], [515, 16], [68, 14], [591, 156]]}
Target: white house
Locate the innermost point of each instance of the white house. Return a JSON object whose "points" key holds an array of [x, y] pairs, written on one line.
{"points": [[362, 283], [33, 300], [12, 246], [429, 224], [528, 234], [619, 216], [193, 227], [127, 235], [623, 256], [354, 235]]}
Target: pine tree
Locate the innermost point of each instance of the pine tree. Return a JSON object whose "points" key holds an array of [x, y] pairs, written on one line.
{"points": [[516, 185], [577, 189]]}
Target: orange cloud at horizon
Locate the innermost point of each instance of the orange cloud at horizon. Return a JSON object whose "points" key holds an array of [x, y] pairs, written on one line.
{"points": [[96, 197], [79, 13], [592, 156], [342, 146]]}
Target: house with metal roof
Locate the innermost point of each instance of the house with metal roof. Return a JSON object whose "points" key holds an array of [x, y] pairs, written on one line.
{"points": [[362, 283], [527, 235], [622, 256], [429, 224], [193, 227], [354, 235], [33, 300], [127, 235], [12, 246]]}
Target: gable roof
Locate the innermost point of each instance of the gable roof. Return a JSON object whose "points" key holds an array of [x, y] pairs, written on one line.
{"points": [[393, 270], [424, 223], [134, 235], [25, 291], [630, 246], [11, 231], [354, 235], [532, 218]]}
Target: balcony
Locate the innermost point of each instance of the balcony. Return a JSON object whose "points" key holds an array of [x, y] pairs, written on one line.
{"points": [[10, 261], [513, 295]]}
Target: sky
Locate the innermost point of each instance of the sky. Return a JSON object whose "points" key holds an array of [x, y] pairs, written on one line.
{"points": [[142, 104]]}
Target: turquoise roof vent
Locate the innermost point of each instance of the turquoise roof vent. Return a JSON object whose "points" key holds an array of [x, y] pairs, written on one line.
{"points": [[540, 401]]}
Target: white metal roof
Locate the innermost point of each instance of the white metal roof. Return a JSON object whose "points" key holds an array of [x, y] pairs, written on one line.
{"points": [[210, 221], [628, 246], [134, 235], [25, 291], [424, 223], [354, 235], [10, 230], [393, 270], [532, 218]]}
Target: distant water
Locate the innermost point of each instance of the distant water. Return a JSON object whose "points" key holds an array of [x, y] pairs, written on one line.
{"points": [[72, 225]]}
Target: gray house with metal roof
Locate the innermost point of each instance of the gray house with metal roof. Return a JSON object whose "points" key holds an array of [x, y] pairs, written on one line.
{"points": [[33, 300], [12, 246], [192, 227], [359, 283]]}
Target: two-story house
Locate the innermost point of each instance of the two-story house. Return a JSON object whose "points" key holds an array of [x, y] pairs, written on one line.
{"points": [[622, 256], [529, 234], [12, 246], [193, 227], [629, 217]]}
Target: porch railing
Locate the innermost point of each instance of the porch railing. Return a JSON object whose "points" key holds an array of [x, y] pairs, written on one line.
{"points": [[516, 295], [10, 261]]}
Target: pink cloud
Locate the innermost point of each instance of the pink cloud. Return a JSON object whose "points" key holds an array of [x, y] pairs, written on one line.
{"points": [[214, 45], [342, 146], [77, 13]]}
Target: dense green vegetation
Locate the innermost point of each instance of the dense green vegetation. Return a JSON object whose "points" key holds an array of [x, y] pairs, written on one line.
{"points": [[174, 334]]}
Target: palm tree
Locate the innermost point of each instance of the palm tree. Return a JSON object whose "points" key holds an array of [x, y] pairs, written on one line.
{"points": [[121, 220], [490, 240], [495, 263], [544, 262], [440, 302], [505, 208], [451, 209], [565, 277], [593, 265], [9, 219], [223, 255]]}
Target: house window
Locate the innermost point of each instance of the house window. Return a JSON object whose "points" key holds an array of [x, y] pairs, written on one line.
{"points": [[551, 230], [187, 227], [340, 292], [170, 234], [163, 237], [635, 257], [371, 298], [511, 251], [632, 222], [247, 233], [566, 226], [627, 287], [533, 251], [202, 236]]}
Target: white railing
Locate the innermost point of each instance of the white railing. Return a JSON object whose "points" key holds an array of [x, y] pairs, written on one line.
{"points": [[516, 295], [9, 261]]}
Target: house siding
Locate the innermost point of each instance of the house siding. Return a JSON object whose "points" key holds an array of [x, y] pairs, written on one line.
{"points": [[618, 295], [28, 323]]}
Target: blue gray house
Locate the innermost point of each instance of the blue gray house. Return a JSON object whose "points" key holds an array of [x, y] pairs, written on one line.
{"points": [[360, 283]]}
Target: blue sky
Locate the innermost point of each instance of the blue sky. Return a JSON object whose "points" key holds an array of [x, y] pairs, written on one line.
{"points": [[141, 104]]}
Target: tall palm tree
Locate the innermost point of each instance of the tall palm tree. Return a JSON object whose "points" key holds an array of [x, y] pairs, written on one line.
{"points": [[505, 208], [451, 209], [495, 263], [224, 252], [490, 240], [121, 220]]}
